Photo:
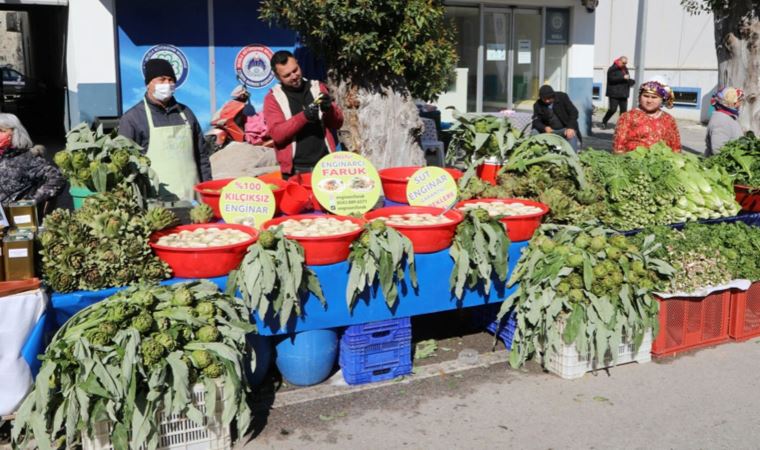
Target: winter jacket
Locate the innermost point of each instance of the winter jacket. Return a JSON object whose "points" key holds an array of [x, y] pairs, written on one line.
{"points": [[134, 125], [284, 127], [617, 85], [562, 107], [25, 175], [720, 129]]}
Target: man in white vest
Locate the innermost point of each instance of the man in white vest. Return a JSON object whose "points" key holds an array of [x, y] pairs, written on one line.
{"points": [[300, 117], [169, 134]]}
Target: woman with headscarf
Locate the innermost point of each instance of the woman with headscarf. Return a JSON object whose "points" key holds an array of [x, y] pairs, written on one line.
{"points": [[24, 174], [648, 124], [724, 125]]}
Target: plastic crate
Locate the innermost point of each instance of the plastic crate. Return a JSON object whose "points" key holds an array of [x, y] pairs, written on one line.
{"points": [[745, 313], [176, 432], [692, 322], [485, 317], [570, 365], [375, 333], [376, 351]]}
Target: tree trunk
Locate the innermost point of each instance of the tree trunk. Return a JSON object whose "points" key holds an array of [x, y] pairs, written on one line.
{"points": [[381, 126], [737, 40]]}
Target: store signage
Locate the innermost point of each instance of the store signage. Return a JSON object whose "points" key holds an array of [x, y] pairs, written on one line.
{"points": [[247, 201], [557, 26], [346, 183], [431, 186], [176, 58], [523, 51], [253, 66], [496, 52]]}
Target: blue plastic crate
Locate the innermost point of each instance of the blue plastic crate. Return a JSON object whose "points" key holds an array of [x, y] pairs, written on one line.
{"points": [[382, 332], [377, 362], [486, 317]]}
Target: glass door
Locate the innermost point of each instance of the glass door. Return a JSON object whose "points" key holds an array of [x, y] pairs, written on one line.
{"points": [[527, 47], [496, 34]]}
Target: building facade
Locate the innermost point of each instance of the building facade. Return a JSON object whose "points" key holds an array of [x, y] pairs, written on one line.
{"points": [[678, 47]]}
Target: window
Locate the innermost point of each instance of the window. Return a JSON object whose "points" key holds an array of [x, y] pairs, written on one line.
{"points": [[596, 91], [686, 97]]}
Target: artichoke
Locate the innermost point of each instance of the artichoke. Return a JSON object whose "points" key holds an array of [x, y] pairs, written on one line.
{"points": [[152, 352], [61, 281], [97, 337], [92, 278], [166, 340], [377, 225], [79, 160], [143, 323], [206, 310], [182, 297], [108, 328], [143, 298], [267, 239], [120, 158], [120, 312], [160, 218], [208, 333], [202, 213], [62, 159], [201, 358], [214, 370], [72, 260]]}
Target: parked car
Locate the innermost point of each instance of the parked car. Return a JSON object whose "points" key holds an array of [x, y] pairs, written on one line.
{"points": [[17, 87]]}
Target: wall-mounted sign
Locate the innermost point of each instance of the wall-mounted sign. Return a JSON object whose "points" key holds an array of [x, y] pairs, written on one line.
{"points": [[523, 51], [496, 52], [174, 55], [253, 66], [557, 26]]}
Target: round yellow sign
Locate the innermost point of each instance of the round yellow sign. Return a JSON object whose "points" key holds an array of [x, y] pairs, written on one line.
{"points": [[431, 186], [247, 201], [346, 183]]}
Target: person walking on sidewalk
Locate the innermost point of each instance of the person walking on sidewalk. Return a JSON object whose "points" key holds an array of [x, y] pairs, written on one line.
{"points": [[619, 84]]}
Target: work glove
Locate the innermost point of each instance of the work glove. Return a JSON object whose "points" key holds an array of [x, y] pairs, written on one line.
{"points": [[312, 113], [325, 102]]}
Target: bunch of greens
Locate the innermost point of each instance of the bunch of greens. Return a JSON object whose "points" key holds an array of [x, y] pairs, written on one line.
{"points": [[103, 244], [738, 242], [132, 355], [543, 168], [380, 254], [480, 252], [273, 275], [579, 286], [101, 162], [657, 186], [741, 159], [477, 137]]}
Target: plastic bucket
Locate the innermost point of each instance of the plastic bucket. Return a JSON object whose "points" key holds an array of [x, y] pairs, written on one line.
{"points": [[395, 179], [425, 239], [257, 368], [210, 192], [308, 357], [294, 199], [322, 250], [748, 198], [202, 262], [78, 194], [519, 228], [488, 170], [304, 179]]}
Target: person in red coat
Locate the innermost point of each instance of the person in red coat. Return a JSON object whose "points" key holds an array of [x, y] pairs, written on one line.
{"points": [[648, 124], [300, 115]]}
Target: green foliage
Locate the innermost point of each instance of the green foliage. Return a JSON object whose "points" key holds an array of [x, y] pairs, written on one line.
{"points": [[375, 41], [480, 252], [477, 137], [593, 304], [700, 6], [273, 276], [119, 375], [741, 159], [380, 254]]}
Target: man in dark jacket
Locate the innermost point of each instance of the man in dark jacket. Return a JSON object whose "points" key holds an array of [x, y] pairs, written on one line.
{"points": [[169, 133], [618, 88], [553, 112]]}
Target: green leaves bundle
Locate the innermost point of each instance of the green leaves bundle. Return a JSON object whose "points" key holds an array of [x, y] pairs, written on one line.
{"points": [[273, 275], [479, 251], [103, 244], [741, 159], [132, 355], [380, 254], [476, 137], [576, 286]]}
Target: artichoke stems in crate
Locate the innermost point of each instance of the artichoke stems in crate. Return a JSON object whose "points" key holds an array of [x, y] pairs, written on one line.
{"points": [[596, 288], [136, 353], [380, 254], [273, 276]]}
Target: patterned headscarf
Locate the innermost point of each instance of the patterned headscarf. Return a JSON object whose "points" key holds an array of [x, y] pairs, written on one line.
{"points": [[660, 89], [728, 99]]}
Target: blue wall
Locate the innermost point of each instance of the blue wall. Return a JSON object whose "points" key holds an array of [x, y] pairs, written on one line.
{"points": [[579, 90]]}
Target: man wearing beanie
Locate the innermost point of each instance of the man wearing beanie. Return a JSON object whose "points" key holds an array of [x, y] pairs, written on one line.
{"points": [[553, 112], [169, 134]]}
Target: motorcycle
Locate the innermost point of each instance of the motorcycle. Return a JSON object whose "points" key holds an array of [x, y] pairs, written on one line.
{"points": [[228, 123]]}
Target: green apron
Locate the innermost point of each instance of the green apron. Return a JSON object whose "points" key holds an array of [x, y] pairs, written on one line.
{"points": [[170, 150]]}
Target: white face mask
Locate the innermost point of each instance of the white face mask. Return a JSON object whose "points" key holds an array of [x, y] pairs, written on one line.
{"points": [[163, 91]]}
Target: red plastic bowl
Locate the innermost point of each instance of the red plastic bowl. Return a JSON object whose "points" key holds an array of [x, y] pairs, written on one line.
{"points": [[304, 179], [202, 262], [322, 250], [395, 179], [425, 239], [519, 228], [748, 198], [212, 198]]}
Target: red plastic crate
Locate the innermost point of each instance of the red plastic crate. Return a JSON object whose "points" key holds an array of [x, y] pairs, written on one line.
{"points": [[745, 313], [692, 322]]}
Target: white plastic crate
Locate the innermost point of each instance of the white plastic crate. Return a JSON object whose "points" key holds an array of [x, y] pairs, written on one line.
{"points": [[568, 364], [177, 432]]}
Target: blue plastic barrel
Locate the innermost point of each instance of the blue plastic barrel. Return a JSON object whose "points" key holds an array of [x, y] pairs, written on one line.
{"points": [[261, 346], [307, 357]]}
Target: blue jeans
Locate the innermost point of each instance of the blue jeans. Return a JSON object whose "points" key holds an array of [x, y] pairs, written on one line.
{"points": [[561, 132]]}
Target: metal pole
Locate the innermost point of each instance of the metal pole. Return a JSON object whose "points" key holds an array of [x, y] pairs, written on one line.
{"points": [[641, 36], [481, 62]]}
